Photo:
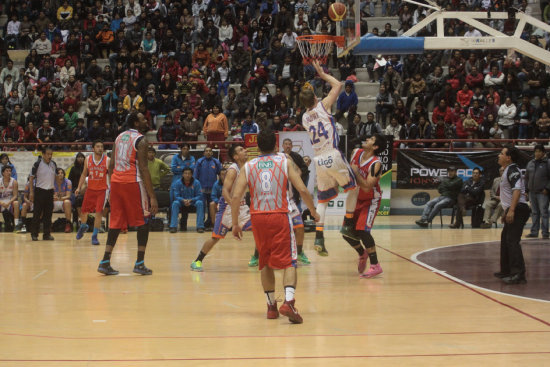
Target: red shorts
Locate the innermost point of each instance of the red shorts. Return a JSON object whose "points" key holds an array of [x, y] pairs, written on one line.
{"points": [[365, 212], [129, 205], [94, 201], [274, 240]]}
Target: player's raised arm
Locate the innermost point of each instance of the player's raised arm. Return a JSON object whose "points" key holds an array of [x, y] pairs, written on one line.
{"points": [[336, 85]]}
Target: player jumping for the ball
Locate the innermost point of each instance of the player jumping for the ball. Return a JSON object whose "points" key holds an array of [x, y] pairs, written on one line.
{"points": [[332, 168]]}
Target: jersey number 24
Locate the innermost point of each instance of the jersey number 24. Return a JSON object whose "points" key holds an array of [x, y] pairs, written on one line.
{"points": [[317, 133]]}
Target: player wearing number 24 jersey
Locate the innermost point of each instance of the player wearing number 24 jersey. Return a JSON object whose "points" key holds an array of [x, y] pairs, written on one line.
{"points": [[333, 171]]}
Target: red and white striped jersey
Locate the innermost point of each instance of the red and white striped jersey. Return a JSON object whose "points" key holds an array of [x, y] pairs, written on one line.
{"points": [[267, 178], [126, 170]]}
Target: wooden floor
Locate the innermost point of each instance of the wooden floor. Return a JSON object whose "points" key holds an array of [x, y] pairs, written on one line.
{"points": [[56, 310]]}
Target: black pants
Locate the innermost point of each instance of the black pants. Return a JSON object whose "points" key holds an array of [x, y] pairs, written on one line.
{"points": [[43, 209], [511, 256], [464, 202]]}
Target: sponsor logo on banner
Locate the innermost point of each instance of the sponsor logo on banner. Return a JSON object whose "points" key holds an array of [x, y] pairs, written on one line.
{"points": [[420, 198]]}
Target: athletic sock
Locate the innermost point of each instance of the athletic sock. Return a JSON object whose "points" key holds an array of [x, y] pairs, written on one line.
{"points": [[348, 220], [140, 256], [270, 295], [300, 249], [201, 256], [289, 293], [256, 253], [106, 257], [319, 231], [96, 231], [373, 258]]}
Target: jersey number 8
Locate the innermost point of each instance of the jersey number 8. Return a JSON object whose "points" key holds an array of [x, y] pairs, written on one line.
{"points": [[265, 179]]}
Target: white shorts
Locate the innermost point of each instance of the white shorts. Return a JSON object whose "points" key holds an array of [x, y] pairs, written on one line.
{"points": [[58, 206], [333, 170], [224, 222]]}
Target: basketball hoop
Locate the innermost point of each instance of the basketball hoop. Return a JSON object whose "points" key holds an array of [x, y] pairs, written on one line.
{"points": [[317, 47]]}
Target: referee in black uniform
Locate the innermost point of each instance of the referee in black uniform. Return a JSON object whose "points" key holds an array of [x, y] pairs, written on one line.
{"points": [[41, 188], [516, 214]]}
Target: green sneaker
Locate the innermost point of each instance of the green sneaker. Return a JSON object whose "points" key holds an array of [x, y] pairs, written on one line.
{"points": [[349, 231], [253, 261], [319, 246], [196, 266], [303, 258]]}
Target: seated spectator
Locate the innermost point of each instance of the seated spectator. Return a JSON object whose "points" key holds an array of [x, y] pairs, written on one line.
{"points": [[537, 80], [157, 167], [230, 106], [186, 195], [45, 133], [409, 131], [181, 161], [449, 188], [393, 129], [80, 132], [347, 101], [543, 126], [13, 132], [464, 96], [168, 132], [62, 197], [96, 132], [9, 205], [31, 135], [470, 196], [493, 208], [264, 104], [249, 126], [293, 125]]}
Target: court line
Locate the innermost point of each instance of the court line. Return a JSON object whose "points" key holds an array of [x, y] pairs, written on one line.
{"points": [[276, 336], [414, 258], [468, 287], [40, 274], [279, 357]]}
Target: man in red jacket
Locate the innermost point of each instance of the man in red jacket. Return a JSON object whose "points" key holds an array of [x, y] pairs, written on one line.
{"points": [[13, 131]]}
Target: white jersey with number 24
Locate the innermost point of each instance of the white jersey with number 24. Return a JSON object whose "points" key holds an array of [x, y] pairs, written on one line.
{"points": [[321, 128]]}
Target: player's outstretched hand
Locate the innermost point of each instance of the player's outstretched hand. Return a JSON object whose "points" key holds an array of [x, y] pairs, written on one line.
{"points": [[154, 206], [318, 67], [237, 232], [316, 216]]}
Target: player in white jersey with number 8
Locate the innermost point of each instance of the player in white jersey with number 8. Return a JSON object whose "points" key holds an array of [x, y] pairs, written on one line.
{"points": [[333, 171]]}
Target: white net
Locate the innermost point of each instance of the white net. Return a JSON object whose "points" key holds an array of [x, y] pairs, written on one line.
{"points": [[313, 48]]}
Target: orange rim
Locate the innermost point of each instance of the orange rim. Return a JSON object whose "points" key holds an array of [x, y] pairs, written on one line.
{"points": [[322, 38]]}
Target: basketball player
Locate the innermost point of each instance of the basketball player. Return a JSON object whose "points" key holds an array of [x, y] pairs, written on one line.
{"points": [[96, 169], [267, 179], [368, 169], [222, 223], [331, 165], [131, 192]]}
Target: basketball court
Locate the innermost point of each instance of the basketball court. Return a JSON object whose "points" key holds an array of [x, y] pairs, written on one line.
{"points": [[58, 311]]}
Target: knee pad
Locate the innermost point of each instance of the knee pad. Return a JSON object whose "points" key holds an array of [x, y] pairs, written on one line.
{"points": [[367, 239]]}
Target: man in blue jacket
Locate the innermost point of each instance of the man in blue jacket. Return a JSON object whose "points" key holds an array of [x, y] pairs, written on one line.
{"points": [[346, 100], [206, 171], [182, 161], [187, 194]]}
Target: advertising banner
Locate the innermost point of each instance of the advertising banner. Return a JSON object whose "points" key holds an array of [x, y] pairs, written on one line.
{"points": [[424, 169]]}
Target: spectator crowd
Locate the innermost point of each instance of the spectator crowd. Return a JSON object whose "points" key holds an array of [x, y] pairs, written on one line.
{"points": [[91, 63]]}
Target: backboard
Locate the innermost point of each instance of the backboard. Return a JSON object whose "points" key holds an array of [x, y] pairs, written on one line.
{"points": [[350, 27]]}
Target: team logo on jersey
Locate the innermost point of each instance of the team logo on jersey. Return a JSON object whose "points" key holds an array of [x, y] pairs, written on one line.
{"points": [[265, 164], [125, 137]]}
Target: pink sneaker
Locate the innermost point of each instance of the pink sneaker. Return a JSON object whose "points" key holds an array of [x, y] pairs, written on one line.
{"points": [[362, 263], [374, 270]]}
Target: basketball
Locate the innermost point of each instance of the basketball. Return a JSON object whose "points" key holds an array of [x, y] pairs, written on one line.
{"points": [[337, 12]]}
